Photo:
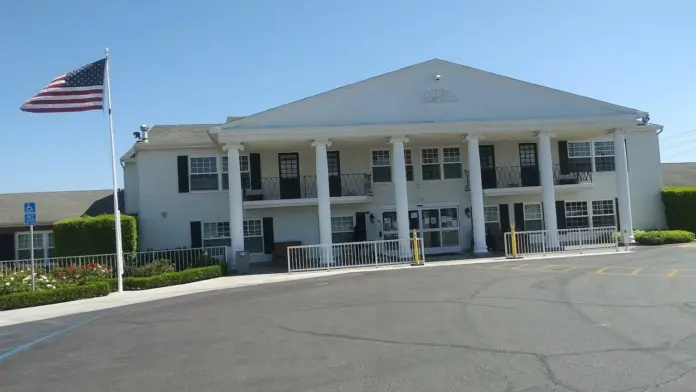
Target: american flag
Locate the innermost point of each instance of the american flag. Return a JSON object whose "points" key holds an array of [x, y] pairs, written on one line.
{"points": [[76, 91]]}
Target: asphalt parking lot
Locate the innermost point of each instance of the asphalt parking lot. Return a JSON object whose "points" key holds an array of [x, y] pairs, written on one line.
{"points": [[613, 323]]}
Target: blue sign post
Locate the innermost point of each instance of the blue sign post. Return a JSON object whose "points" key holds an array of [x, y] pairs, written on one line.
{"points": [[30, 220]]}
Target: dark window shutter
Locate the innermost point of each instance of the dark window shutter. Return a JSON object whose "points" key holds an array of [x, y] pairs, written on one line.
{"points": [[268, 238], [196, 235], [519, 216], [504, 212], [255, 170], [563, 157], [560, 214], [618, 218], [360, 229], [182, 166], [7, 247]]}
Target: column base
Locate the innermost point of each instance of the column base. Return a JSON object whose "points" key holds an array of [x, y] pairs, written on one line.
{"points": [[480, 249]]}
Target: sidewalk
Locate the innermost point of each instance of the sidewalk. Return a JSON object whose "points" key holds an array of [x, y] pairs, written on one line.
{"points": [[113, 300]]}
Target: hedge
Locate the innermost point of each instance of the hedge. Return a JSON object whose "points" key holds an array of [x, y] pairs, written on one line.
{"points": [[44, 297], [174, 278], [663, 237], [680, 207], [93, 235]]}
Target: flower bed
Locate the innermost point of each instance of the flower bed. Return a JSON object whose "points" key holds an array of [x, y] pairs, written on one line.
{"points": [[174, 278], [60, 285], [662, 237]]}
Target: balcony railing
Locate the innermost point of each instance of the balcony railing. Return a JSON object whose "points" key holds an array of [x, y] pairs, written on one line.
{"points": [[517, 177], [305, 187]]}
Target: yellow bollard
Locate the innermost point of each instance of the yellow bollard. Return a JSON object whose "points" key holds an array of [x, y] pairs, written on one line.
{"points": [[513, 243], [416, 250]]}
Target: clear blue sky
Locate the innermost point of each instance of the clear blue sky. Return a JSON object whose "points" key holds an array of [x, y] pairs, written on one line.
{"points": [[199, 61]]}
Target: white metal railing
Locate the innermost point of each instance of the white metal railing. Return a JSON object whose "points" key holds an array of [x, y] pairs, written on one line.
{"points": [[180, 258], [353, 254], [561, 241]]}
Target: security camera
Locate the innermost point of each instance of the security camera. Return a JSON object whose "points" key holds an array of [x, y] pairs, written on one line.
{"points": [[136, 135], [437, 77], [144, 128]]}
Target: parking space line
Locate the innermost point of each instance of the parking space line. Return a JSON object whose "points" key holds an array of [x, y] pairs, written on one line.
{"points": [[601, 270], [636, 271], [672, 273]]}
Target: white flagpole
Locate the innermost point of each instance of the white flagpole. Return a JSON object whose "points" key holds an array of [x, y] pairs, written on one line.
{"points": [[117, 213]]}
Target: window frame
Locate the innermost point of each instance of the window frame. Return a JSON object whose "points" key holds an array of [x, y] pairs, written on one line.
{"points": [[224, 173], [593, 153], [613, 214], [218, 166], [587, 215], [441, 162], [203, 237], [261, 236], [497, 209], [391, 162], [44, 241], [349, 231], [541, 215], [595, 156]]}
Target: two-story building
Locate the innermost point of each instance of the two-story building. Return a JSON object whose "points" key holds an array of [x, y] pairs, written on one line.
{"points": [[453, 152]]}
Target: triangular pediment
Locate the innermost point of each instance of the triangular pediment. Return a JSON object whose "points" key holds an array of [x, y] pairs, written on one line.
{"points": [[433, 91]]}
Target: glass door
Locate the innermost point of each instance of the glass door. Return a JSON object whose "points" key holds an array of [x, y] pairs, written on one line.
{"points": [[437, 226]]}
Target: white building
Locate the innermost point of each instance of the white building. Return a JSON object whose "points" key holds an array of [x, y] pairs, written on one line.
{"points": [[451, 151]]}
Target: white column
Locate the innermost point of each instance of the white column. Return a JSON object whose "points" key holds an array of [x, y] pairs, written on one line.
{"points": [[398, 172], [623, 189], [476, 186], [548, 193], [324, 197], [236, 199]]}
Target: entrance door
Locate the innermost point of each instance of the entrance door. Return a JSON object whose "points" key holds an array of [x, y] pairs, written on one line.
{"points": [[334, 161], [437, 226], [529, 164], [289, 170], [488, 177]]}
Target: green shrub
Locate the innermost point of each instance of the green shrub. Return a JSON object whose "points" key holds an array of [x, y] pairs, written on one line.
{"points": [[663, 237], [93, 235], [174, 278], [156, 267], [44, 297], [680, 207]]}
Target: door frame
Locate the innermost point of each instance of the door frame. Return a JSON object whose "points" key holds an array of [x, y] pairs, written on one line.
{"points": [[335, 185], [493, 172], [523, 169], [419, 210], [297, 193]]}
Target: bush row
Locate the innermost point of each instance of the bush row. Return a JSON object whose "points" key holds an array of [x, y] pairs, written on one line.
{"points": [[93, 235], [680, 207], [174, 278], [44, 297], [663, 237]]}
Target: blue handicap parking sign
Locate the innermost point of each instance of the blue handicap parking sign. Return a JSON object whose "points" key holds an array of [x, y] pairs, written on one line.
{"points": [[30, 213]]}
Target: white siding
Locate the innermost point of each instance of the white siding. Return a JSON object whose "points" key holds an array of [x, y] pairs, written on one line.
{"points": [[396, 97], [165, 214], [131, 187]]}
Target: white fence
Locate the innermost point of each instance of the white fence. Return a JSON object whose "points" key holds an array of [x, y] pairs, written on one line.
{"points": [[353, 254], [180, 258], [542, 242]]}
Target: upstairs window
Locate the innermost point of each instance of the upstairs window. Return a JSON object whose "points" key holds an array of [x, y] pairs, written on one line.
{"points": [[604, 156], [243, 169], [438, 164], [381, 165], [580, 157], [204, 174]]}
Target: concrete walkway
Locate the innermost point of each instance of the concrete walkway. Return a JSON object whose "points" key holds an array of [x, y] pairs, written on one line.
{"points": [[113, 300]]}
